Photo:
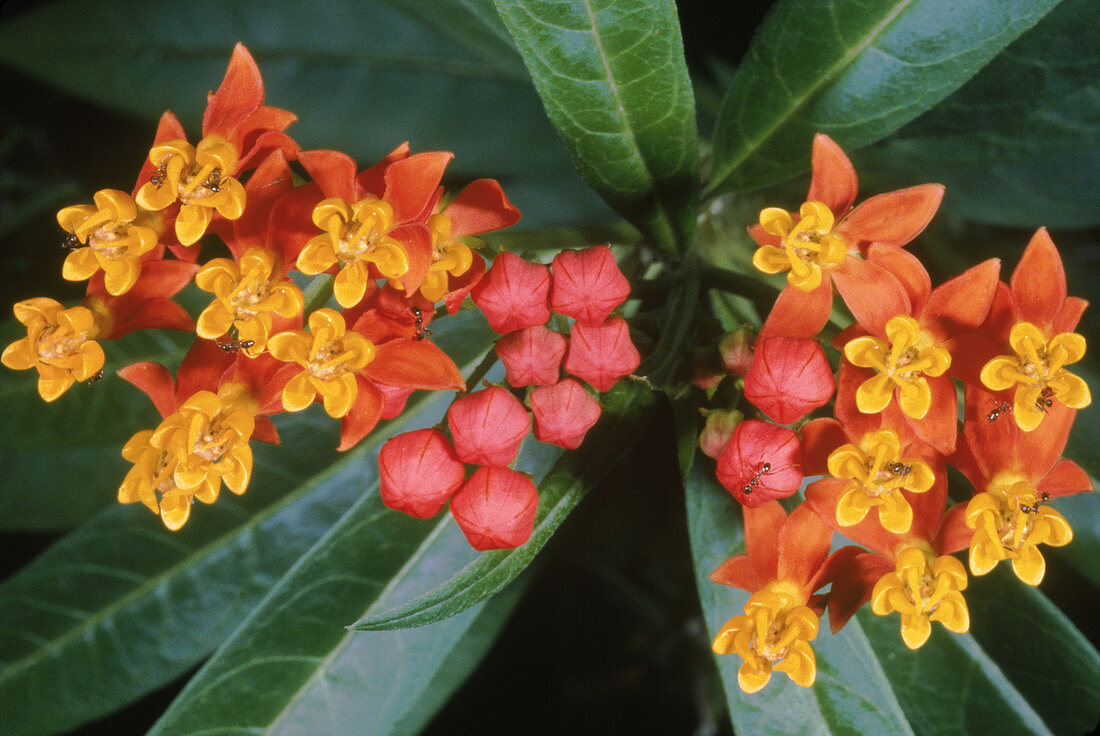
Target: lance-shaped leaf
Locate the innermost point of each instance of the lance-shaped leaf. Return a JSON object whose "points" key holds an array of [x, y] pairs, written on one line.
{"points": [[1023, 666], [625, 407], [1018, 143], [294, 668], [122, 606], [614, 82], [854, 69]]}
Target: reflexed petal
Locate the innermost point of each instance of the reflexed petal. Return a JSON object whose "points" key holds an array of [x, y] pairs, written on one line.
{"points": [[895, 514], [299, 391], [1029, 565], [852, 506], [799, 664], [338, 394], [770, 259], [351, 284], [874, 394], [915, 397], [1071, 390], [915, 630], [191, 223], [752, 677], [79, 265]]}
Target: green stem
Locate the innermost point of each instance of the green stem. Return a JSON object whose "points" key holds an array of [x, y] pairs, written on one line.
{"points": [[481, 370], [677, 325], [723, 279]]}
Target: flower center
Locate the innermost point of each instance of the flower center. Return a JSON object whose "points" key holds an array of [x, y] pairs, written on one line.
{"points": [[877, 474], [1037, 370], [900, 365], [808, 244]]}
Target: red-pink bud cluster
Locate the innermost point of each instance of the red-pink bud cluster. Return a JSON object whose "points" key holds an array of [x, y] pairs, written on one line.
{"points": [[495, 506]]}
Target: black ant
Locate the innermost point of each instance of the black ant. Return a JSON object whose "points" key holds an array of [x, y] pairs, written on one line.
{"points": [[233, 344], [95, 377], [747, 488], [160, 176], [421, 330], [998, 410], [899, 469], [213, 182], [1044, 497], [71, 242], [1045, 401]]}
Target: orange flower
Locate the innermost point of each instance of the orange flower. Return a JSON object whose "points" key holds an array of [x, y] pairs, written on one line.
{"points": [[825, 243], [237, 131]]}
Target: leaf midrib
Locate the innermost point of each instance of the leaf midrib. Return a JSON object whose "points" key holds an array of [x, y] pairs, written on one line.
{"points": [[827, 78]]}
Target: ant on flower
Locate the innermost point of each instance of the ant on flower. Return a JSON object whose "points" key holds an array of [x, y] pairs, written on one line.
{"points": [[747, 488], [1044, 498], [233, 343], [1045, 401], [418, 315], [899, 469], [998, 410], [71, 241]]}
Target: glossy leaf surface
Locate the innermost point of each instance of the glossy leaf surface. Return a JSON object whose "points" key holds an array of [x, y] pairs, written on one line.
{"points": [[855, 69], [614, 82]]}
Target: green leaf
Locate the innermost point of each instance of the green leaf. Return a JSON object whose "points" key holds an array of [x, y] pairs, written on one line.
{"points": [[564, 486], [122, 606], [1082, 511], [950, 685], [855, 69], [851, 694], [62, 460], [1037, 98], [472, 23], [614, 82], [361, 76], [293, 667]]}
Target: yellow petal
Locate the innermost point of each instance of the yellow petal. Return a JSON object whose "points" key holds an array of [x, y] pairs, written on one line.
{"points": [[299, 391], [915, 630], [1029, 565], [191, 223], [770, 259], [852, 506]]}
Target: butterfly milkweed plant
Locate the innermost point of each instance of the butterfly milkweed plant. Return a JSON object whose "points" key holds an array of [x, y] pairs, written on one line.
{"points": [[549, 366]]}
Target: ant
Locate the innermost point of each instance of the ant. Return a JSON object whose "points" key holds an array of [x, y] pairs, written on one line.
{"points": [[747, 488], [95, 377], [899, 468], [213, 182], [160, 176], [418, 315], [71, 241], [998, 410], [1044, 497], [1045, 401], [233, 344]]}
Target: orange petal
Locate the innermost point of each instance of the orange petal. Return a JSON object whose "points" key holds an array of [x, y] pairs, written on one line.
{"points": [[333, 171], [939, 426], [411, 183], [1065, 478], [963, 303], [803, 545], [798, 313], [907, 269], [736, 572], [240, 93], [834, 178], [1039, 282], [411, 363], [364, 415], [872, 295], [893, 218], [480, 208], [762, 526]]}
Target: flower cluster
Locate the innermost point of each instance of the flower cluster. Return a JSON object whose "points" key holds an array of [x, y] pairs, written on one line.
{"points": [[495, 506], [385, 245], [883, 455]]}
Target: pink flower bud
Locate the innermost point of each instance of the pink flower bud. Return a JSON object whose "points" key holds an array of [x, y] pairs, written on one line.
{"points": [[789, 378], [718, 430], [588, 284], [418, 472], [761, 462], [563, 413], [736, 351], [514, 294], [601, 354], [496, 508], [532, 356], [488, 427]]}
